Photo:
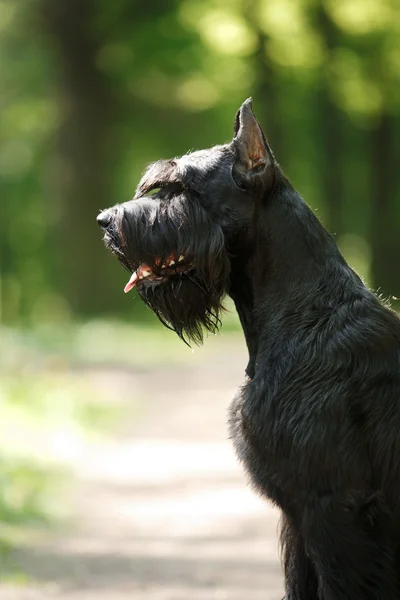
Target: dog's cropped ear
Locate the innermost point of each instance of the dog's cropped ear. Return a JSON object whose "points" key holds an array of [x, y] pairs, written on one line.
{"points": [[255, 164]]}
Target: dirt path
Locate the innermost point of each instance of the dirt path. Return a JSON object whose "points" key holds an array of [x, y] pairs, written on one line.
{"points": [[162, 511]]}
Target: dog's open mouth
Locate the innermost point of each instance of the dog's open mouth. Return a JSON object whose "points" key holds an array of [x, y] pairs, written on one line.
{"points": [[172, 266]]}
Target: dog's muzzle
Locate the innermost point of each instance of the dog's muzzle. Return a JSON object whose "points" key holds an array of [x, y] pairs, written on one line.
{"points": [[173, 265]]}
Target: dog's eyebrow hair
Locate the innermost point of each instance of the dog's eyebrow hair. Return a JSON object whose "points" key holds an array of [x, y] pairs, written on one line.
{"points": [[159, 174]]}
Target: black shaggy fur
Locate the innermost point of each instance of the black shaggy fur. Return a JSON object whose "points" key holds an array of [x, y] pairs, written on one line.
{"points": [[317, 424]]}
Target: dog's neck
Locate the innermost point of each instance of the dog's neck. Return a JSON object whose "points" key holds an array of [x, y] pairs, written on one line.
{"points": [[290, 255], [242, 294]]}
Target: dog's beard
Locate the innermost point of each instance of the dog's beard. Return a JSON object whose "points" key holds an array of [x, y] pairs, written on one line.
{"points": [[185, 304], [178, 261]]}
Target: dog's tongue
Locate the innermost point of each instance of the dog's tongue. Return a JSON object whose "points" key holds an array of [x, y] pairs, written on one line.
{"points": [[140, 273], [144, 271], [132, 281]]}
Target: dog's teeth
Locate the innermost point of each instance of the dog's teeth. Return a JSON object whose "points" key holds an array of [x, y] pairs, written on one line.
{"points": [[140, 276], [171, 263], [146, 272], [181, 258]]}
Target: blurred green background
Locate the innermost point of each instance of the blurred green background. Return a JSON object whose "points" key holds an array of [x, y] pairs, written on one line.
{"points": [[93, 90]]}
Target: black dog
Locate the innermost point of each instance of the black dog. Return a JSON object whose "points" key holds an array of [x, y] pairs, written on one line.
{"points": [[317, 424]]}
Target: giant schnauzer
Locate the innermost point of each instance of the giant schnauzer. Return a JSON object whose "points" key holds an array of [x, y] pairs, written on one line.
{"points": [[317, 423]]}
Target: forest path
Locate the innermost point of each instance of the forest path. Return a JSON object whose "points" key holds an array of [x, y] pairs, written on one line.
{"points": [[162, 510]]}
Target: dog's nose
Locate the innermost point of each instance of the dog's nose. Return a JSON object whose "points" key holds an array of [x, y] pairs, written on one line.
{"points": [[104, 219]]}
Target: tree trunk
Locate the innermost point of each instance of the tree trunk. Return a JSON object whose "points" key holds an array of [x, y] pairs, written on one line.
{"points": [[332, 148], [82, 171], [330, 126], [385, 214]]}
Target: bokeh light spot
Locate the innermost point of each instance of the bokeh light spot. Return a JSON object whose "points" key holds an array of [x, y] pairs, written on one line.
{"points": [[198, 93]]}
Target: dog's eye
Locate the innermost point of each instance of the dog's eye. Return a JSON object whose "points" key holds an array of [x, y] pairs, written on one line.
{"points": [[171, 187], [153, 191]]}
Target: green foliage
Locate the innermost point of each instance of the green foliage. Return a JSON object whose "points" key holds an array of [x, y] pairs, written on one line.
{"points": [[170, 77], [22, 487]]}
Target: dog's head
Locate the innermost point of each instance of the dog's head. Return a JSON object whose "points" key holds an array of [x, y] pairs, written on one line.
{"points": [[178, 235]]}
